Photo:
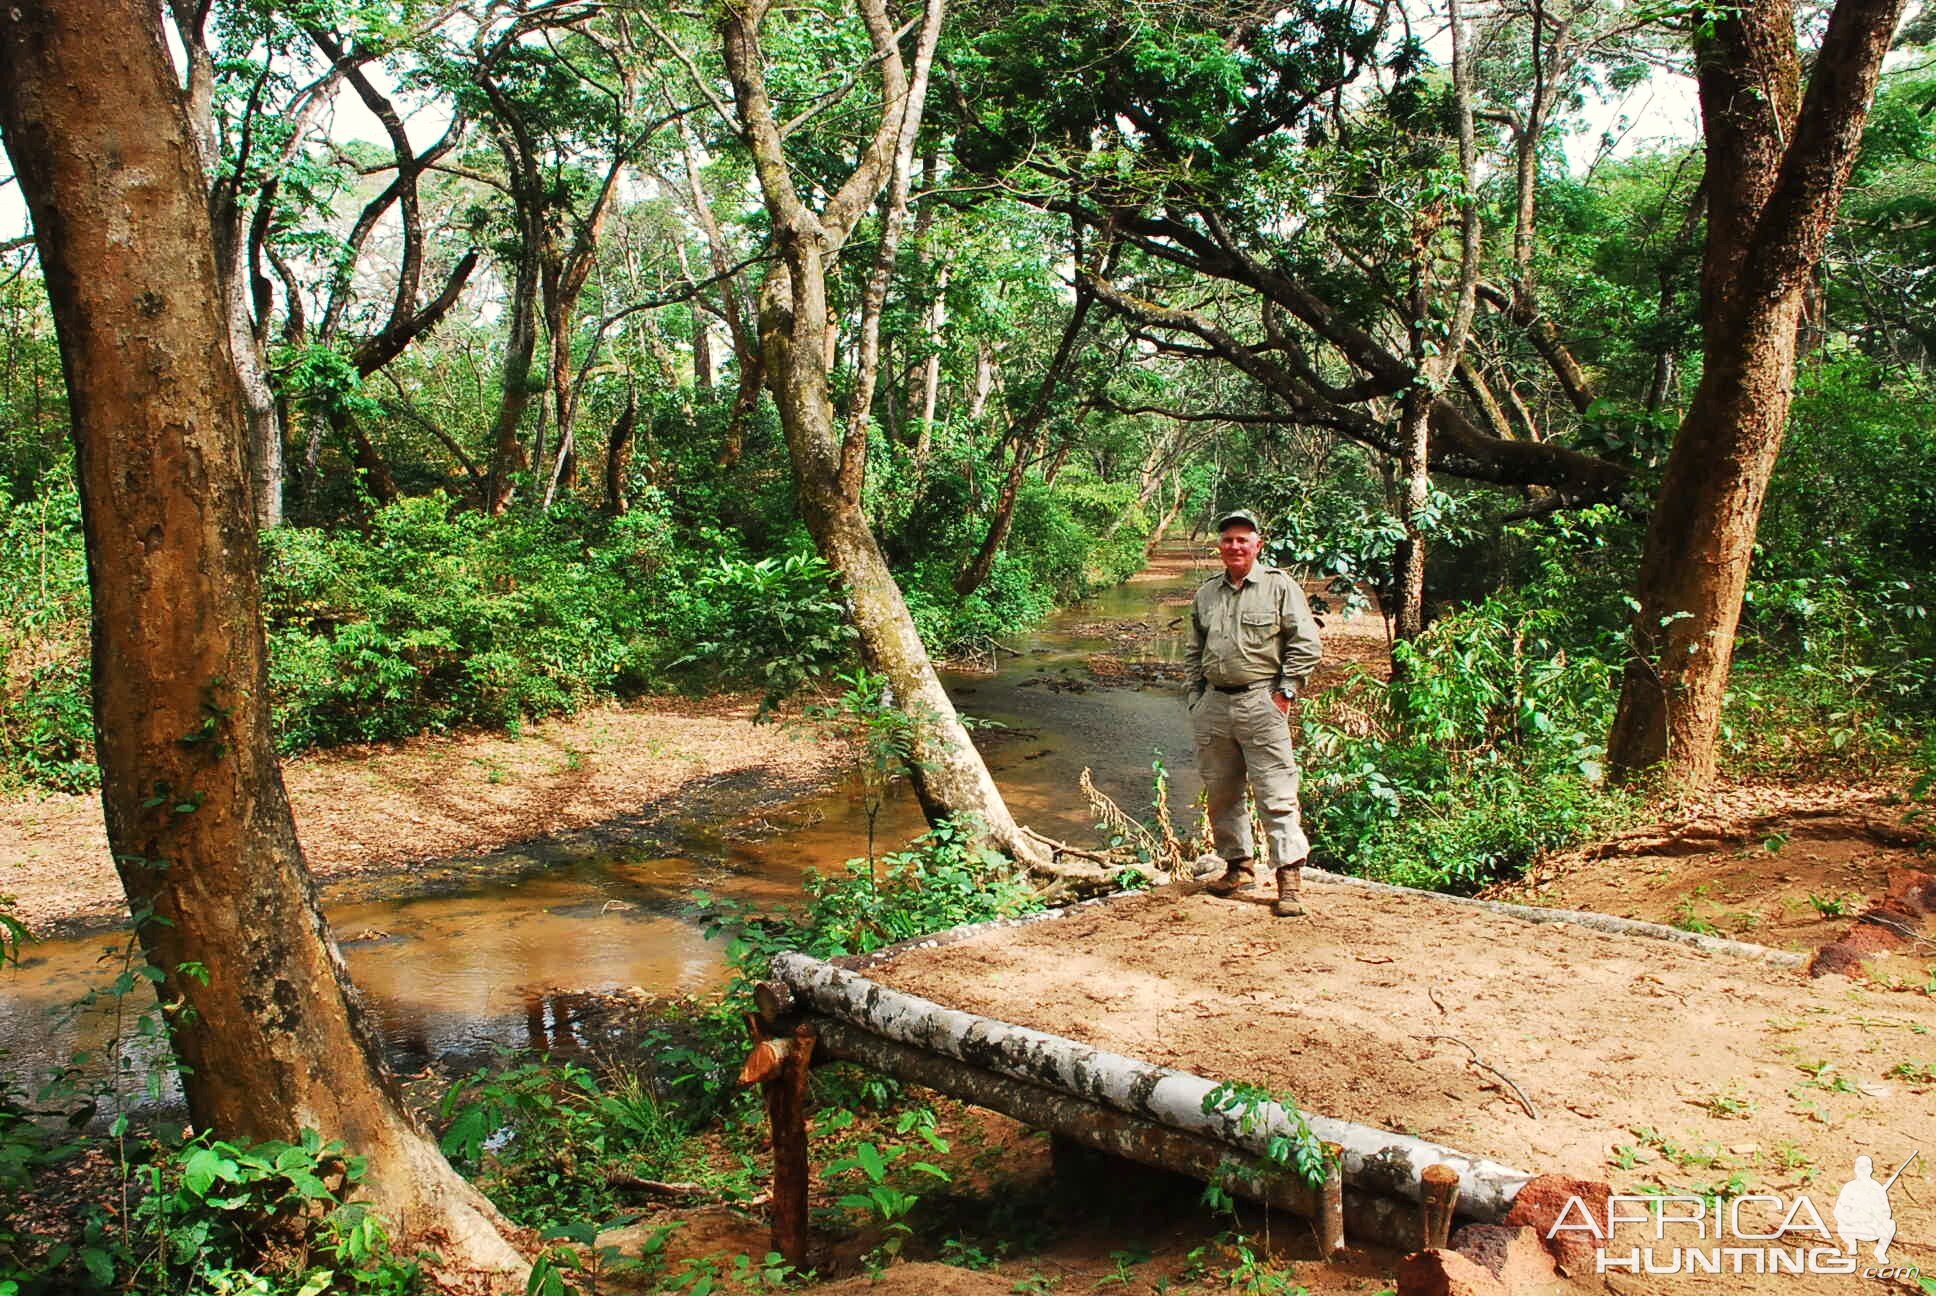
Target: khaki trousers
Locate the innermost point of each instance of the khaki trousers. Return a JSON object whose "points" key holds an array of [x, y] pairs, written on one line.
{"points": [[1239, 735]]}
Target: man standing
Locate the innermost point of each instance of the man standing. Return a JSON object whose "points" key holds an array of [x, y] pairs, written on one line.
{"points": [[1253, 642]]}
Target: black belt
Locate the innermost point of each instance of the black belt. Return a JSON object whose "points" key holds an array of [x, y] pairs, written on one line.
{"points": [[1239, 688]]}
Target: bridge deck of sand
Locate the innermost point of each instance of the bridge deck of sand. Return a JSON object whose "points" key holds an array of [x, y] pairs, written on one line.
{"points": [[1547, 1046]]}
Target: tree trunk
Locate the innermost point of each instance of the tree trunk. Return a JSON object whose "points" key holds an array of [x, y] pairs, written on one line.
{"points": [[1434, 363], [984, 381], [1408, 577], [982, 565], [930, 377], [618, 457], [258, 403], [946, 771], [703, 376], [1775, 177], [1699, 543], [270, 1031], [520, 346]]}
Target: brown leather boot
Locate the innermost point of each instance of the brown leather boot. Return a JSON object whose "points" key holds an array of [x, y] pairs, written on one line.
{"points": [[1288, 904], [1238, 875]]}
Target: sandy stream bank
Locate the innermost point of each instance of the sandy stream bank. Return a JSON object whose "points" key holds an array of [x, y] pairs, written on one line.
{"points": [[434, 804]]}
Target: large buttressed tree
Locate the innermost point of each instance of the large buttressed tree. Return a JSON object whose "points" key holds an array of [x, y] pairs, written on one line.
{"points": [[265, 1020], [1778, 158]]}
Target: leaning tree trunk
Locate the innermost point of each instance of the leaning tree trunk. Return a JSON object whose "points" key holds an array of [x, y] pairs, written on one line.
{"points": [[1775, 176], [794, 333], [946, 771], [269, 1029], [618, 457]]}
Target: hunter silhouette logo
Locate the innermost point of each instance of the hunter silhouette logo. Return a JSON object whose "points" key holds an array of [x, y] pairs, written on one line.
{"points": [[1755, 1233], [1862, 1211]]}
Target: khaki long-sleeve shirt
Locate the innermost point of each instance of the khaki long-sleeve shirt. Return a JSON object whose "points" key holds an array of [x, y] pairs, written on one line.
{"points": [[1260, 630]]}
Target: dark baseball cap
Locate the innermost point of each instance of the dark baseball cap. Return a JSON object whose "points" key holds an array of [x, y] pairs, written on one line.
{"points": [[1244, 516]]}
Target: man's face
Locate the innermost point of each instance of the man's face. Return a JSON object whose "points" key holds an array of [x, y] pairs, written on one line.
{"points": [[1237, 545]]}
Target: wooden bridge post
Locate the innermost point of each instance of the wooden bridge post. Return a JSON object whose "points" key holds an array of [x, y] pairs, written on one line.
{"points": [[1331, 1203], [780, 1066], [1439, 1191]]}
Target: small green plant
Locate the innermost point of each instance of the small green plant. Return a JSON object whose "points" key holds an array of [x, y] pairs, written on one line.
{"points": [[1243, 1265], [1291, 1145], [1728, 1106], [885, 1201], [1124, 1273], [1791, 1160], [1829, 906], [704, 1275], [1685, 918], [864, 713], [1824, 1075], [966, 1255], [1705, 1156], [1914, 1072]]}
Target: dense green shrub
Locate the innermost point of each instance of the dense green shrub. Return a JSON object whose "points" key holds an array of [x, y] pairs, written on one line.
{"points": [[437, 618], [1486, 751], [212, 1215], [549, 1144], [1837, 648], [778, 621], [429, 616], [46, 717]]}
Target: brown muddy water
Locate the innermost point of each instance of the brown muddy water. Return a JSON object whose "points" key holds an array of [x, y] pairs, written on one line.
{"points": [[512, 959]]}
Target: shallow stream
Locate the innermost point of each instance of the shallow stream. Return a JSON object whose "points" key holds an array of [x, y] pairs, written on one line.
{"points": [[512, 960]]}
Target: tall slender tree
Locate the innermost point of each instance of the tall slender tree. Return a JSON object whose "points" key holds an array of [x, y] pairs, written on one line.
{"points": [[948, 774]]}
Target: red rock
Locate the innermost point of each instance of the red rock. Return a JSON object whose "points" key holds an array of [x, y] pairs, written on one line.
{"points": [[1836, 960], [1515, 1254], [1913, 890], [1446, 1273], [1541, 1203]]}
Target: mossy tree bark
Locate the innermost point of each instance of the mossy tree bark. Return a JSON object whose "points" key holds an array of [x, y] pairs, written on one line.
{"points": [[262, 1010]]}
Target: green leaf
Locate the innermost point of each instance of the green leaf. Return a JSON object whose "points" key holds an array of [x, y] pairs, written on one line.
{"points": [[205, 1166], [99, 1264], [871, 1161]]}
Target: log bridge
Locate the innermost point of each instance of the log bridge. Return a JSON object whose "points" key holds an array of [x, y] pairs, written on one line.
{"points": [[1383, 1188]]}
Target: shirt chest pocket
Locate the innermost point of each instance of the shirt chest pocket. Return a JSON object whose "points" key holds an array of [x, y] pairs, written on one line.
{"points": [[1257, 632]]}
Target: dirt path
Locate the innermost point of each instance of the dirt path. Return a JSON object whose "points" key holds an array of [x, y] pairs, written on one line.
{"points": [[374, 812], [1648, 1064], [1778, 865]]}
